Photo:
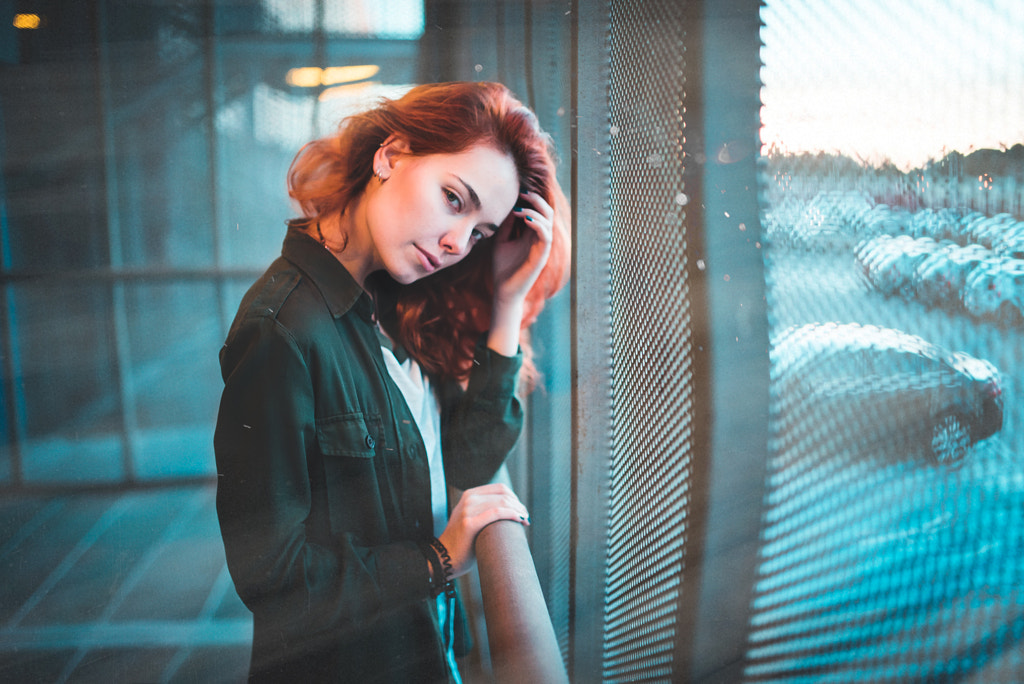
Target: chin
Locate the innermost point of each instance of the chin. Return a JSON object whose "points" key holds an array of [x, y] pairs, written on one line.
{"points": [[406, 278]]}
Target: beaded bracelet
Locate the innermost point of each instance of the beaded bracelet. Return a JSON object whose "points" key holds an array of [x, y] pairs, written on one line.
{"points": [[435, 569], [440, 567]]}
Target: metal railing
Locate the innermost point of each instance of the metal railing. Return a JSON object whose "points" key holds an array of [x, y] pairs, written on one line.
{"points": [[523, 646]]}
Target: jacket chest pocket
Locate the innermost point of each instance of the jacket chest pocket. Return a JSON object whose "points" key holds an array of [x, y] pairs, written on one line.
{"points": [[352, 435]]}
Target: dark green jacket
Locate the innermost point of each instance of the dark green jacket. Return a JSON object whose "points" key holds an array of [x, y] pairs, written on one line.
{"points": [[323, 485]]}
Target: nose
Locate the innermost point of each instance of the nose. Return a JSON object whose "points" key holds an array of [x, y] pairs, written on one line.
{"points": [[457, 239]]}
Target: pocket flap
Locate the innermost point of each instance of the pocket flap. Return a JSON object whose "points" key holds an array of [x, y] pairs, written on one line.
{"points": [[352, 435]]}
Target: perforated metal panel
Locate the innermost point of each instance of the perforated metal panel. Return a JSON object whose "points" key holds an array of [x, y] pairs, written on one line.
{"points": [[651, 341]]}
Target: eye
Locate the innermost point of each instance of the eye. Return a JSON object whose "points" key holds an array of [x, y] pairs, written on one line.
{"points": [[477, 236], [453, 199]]}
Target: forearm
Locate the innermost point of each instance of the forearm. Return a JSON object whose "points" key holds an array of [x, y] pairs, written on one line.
{"points": [[506, 322], [482, 422]]}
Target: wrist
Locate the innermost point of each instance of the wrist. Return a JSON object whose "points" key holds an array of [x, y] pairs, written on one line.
{"points": [[506, 323], [508, 306]]}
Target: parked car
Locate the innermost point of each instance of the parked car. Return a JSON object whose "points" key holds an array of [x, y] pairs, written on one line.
{"points": [[889, 264], [1010, 242], [827, 222], [882, 219], [987, 230], [841, 389], [867, 252], [940, 279], [779, 218], [995, 290]]}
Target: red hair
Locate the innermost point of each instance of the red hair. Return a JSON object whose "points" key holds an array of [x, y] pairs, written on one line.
{"points": [[440, 318]]}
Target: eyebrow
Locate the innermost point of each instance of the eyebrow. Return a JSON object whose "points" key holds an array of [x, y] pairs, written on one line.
{"points": [[475, 200], [473, 197]]}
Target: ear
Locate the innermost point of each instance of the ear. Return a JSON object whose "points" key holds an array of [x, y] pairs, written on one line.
{"points": [[387, 154]]}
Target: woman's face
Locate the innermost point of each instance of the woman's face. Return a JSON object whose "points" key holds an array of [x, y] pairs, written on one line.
{"points": [[432, 209]]}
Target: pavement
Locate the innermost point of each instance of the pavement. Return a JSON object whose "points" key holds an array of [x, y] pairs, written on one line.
{"points": [[118, 587]]}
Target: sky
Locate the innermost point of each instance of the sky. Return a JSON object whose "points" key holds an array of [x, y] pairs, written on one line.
{"points": [[898, 80]]}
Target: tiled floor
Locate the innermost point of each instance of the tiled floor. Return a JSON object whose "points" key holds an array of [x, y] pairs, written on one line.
{"points": [[128, 587]]}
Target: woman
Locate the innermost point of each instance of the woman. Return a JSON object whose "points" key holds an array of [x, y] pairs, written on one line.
{"points": [[373, 365]]}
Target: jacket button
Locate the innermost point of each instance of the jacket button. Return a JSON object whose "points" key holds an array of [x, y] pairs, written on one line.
{"points": [[369, 442]]}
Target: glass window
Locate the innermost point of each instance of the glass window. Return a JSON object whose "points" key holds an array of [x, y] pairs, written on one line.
{"points": [[67, 381], [145, 150], [173, 333]]}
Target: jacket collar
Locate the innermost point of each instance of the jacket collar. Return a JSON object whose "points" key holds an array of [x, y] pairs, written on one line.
{"points": [[339, 289]]}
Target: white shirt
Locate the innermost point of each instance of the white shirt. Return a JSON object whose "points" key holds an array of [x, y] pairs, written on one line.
{"points": [[426, 411]]}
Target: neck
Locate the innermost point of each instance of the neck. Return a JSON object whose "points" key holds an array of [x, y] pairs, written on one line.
{"points": [[346, 238]]}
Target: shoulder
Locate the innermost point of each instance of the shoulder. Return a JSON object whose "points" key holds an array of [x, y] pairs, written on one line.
{"points": [[268, 295], [283, 300]]}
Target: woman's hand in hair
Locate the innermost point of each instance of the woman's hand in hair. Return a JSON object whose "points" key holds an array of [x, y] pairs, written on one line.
{"points": [[476, 509], [522, 246]]}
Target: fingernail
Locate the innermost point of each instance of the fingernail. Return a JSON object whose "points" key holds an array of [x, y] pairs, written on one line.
{"points": [[528, 218], [517, 208]]}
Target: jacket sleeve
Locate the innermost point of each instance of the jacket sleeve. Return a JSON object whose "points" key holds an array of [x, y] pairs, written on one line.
{"points": [[481, 423], [264, 438]]}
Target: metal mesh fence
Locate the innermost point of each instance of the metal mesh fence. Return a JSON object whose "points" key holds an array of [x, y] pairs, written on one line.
{"points": [[651, 340]]}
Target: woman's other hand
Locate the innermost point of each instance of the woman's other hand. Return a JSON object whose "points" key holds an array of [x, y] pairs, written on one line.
{"points": [[476, 509]]}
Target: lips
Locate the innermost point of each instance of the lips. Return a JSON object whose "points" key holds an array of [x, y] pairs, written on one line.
{"points": [[430, 262]]}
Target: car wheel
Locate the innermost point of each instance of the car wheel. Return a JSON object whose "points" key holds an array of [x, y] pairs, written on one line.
{"points": [[951, 440]]}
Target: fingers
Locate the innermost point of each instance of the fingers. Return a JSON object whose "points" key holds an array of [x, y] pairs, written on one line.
{"points": [[522, 250], [476, 509], [539, 206], [537, 214], [486, 504]]}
